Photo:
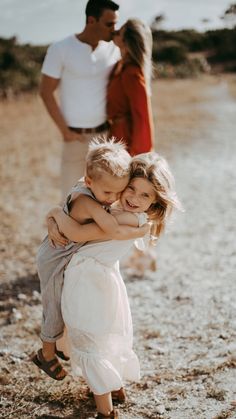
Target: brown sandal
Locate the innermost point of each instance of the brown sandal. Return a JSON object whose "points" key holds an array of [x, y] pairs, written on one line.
{"points": [[119, 395], [113, 415], [39, 360], [62, 355]]}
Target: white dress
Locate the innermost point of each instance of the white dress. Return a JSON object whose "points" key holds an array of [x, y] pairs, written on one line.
{"points": [[97, 316]]}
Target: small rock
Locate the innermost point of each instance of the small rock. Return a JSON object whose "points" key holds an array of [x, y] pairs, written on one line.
{"points": [[156, 348], [200, 387], [22, 297], [4, 351], [15, 316], [161, 409], [3, 380], [36, 296], [15, 360], [223, 336]]}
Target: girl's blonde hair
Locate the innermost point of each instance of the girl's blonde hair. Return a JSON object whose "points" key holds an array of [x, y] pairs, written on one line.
{"points": [[137, 37], [107, 156], [155, 169]]}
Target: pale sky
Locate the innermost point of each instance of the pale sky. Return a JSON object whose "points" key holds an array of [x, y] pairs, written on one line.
{"points": [[45, 21]]}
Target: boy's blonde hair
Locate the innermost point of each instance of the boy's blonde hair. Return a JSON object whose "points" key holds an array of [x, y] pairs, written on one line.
{"points": [[155, 169], [107, 156]]}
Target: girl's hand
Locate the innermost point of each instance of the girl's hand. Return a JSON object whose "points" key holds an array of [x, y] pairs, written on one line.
{"points": [[145, 229], [127, 232], [54, 235]]}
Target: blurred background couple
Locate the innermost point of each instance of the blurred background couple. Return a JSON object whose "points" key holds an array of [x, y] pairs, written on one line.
{"points": [[104, 80]]}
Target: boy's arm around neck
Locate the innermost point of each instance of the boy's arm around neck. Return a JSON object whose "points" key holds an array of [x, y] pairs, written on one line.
{"points": [[85, 208], [88, 232], [109, 223]]}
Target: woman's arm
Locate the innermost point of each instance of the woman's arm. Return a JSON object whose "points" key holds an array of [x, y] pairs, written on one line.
{"points": [[87, 232]]}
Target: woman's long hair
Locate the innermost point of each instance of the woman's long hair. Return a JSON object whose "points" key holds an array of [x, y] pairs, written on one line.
{"points": [[138, 40]]}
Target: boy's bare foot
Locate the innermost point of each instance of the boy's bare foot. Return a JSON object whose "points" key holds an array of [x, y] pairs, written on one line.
{"points": [[52, 367]]}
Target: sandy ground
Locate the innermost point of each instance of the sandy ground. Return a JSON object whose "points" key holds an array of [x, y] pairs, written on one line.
{"points": [[184, 314]]}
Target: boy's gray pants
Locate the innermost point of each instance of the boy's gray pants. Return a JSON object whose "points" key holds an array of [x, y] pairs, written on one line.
{"points": [[51, 264]]}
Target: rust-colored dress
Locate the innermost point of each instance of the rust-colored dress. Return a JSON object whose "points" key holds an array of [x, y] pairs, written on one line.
{"points": [[128, 108]]}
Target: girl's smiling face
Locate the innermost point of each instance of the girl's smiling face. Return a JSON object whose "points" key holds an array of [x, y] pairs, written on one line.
{"points": [[138, 195]]}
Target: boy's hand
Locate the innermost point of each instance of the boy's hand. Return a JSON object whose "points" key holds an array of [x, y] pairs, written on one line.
{"points": [[54, 235]]}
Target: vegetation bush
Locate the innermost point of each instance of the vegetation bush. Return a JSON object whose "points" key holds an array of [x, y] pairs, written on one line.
{"points": [[189, 68], [175, 48], [190, 39], [223, 45], [171, 52], [19, 66]]}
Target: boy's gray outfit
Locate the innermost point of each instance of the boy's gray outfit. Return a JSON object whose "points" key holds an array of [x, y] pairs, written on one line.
{"points": [[51, 263]]}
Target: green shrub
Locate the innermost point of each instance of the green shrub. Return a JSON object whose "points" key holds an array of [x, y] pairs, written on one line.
{"points": [[170, 52], [20, 66]]}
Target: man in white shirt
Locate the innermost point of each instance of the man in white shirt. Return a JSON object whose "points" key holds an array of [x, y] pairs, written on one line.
{"points": [[80, 66]]}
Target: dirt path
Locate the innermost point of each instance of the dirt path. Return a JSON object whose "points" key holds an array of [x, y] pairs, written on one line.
{"points": [[184, 314]]}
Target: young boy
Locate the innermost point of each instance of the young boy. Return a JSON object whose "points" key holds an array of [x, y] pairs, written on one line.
{"points": [[107, 175]]}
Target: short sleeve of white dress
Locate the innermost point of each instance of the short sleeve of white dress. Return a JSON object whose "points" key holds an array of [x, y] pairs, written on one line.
{"points": [[142, 243]]}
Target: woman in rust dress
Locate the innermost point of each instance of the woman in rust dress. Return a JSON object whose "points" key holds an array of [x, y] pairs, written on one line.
{"points": [[128, 93]]}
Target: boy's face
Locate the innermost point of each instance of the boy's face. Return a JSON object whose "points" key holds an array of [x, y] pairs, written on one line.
{"points": [[138, 196], [107, 188]]}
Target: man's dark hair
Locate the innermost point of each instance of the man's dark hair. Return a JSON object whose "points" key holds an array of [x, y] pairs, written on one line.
{"points": [[95, 8]]}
